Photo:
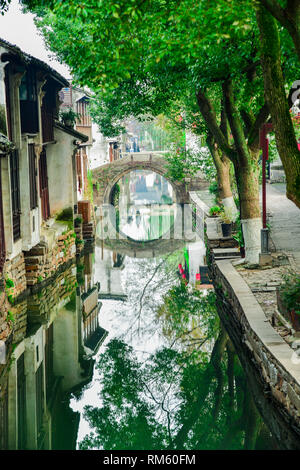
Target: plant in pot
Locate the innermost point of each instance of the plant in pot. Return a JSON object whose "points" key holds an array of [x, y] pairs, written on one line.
{"points": [[68, 118], [238, 236], [288, 299], [227, 218], [215, 211], [78, 221]]}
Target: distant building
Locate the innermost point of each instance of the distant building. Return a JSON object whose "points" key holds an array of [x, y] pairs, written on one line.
{"points": [[78, 101]]}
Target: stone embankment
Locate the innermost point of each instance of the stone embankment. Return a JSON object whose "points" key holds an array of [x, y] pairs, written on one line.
{"points": [[271, 365]]}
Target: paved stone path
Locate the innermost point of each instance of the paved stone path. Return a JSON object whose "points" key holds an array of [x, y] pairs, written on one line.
{"points": [[284, 218], [284, 221]]}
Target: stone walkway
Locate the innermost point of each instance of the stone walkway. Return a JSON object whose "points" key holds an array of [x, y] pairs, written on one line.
{"points": [[284, 220], [284, 217]]}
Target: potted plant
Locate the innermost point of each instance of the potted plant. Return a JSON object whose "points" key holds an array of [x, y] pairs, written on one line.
{"points": [[77, 221], [68, 117], [288, 299], [227, 217], [238, 236], [240, 239], [215, 211]]}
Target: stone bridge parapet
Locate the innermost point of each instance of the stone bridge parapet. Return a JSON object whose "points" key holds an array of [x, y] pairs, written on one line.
{"points": [[106, 176]]}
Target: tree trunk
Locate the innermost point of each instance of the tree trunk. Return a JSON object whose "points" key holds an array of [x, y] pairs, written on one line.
{"points": [[247, 178], [222, 164], [244, 157], [288, 17], [253, 423], [278, 103]]}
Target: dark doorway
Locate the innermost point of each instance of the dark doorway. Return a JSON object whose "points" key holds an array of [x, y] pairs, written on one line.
{"points": [[15, 193], [44, 186], [21, 384]]}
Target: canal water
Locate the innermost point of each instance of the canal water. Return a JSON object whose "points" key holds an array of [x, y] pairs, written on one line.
{"points": [[120, 352]]}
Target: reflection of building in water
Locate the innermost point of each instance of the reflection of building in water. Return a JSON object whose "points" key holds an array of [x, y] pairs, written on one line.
{"points": [[108, 273], [56, 331]]}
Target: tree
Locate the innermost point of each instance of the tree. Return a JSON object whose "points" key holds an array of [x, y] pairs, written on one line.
{"points": [[277, 100], [148, 45], [288, 16], [4, 4]]}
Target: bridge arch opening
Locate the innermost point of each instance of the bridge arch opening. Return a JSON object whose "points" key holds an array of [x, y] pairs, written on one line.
{"points": [[145, 204]]}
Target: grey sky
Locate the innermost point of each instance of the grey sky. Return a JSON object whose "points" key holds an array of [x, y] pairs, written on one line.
{"points": [[19, 29]]}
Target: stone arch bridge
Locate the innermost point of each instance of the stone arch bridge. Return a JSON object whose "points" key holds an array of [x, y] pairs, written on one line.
{"points": [[106, 176]]}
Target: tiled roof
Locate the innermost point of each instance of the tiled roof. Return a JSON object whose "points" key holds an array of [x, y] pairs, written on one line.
{"points": [[29, 59]]}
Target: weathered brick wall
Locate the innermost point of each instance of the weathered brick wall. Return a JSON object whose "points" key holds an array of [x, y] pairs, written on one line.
{"points": [[19, 313], [5, 324], [15, 270], [41, 263], [40, 305]]}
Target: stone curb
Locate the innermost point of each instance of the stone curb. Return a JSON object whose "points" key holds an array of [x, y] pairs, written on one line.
{"points": [[258, 322]]}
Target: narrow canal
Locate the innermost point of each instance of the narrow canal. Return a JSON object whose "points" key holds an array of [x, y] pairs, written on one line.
{"points": [[119, 352]]}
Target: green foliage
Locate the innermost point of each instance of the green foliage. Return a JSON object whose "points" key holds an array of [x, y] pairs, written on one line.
{"points": [[68, 117], [290, 292], [214, 190], [65, 215], [9, 283], [238, 236], [11, 299], [78, 241], [226, 214], [182, 311], [71, 305], [215, 210], [4, 4], [10, 316], [182, 164]]}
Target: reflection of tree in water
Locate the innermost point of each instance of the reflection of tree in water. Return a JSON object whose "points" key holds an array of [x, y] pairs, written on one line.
{"points": [[145, 282], [190, 393]]}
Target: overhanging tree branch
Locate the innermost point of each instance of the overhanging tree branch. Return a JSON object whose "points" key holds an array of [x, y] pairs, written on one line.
{"points": [[288, 17], [234, 120], [261, 118], [209, 117]]}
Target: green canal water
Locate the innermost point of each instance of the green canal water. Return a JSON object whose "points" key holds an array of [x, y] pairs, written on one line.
{"points": [[119, 353]]}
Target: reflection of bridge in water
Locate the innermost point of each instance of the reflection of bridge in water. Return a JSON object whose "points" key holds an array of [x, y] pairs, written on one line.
{"points": [[156, 237]]}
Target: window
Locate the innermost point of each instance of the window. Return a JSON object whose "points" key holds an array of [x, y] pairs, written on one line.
{"points": [[48, 111], [44, 192], [82, 108], [32, 177], [15, 193], [28, 103]]}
